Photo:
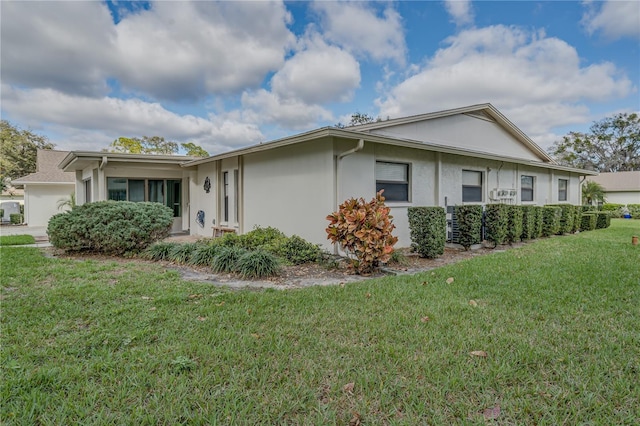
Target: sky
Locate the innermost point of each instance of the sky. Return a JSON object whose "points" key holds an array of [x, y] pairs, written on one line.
{"points": [[226, 75]]}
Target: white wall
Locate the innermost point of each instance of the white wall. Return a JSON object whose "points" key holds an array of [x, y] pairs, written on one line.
{"points": [[623, 197], [41, 201], [201, 200], [463, 131], [290, 188]]}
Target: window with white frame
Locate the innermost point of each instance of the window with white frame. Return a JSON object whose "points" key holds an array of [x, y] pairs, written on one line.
{"points": [[472, 186], [563, 185], [393, 178], [165, 191], [526, 188]]}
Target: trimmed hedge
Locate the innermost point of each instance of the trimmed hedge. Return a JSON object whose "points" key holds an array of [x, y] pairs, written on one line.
{"points": [[603, 220], [528, 222], [577, 218], [588, 222], [428, 228], [567, 217], [469, 224], [496, 222], [539, 223], [550, 220], [514, 228], [111, 227], [16, 218]]}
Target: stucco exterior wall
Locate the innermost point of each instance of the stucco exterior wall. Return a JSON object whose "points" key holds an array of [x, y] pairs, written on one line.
{"points": [[463, 131], [41, 201], [623, 197], [290, 188], [201, 200]]}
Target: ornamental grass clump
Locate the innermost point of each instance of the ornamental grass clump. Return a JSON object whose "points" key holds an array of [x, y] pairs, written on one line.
{"points": [[363, 230], [257, 264], [182, 253], [226, 260], [158, 251], [203, 254]]}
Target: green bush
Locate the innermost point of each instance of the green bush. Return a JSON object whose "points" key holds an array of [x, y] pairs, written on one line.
{"points": [[567, 216], [203, 254], [158, 251], [469, 224], [528, 222], [614, 209], [226, 260], [181, 253], [428, 229], [588, 222], [298, 250], [1, 213], [603, 220], [539, 223], [577, 218], [514, 228], [550, 220], [111, 227], [634, 210], [16, 218], [496, 221], [266, 238], [257, 264]]}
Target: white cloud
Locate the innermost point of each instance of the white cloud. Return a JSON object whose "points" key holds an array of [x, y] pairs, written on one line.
{"points": [[615, 19], [460, 11], [111, 117], [537, 81], [173, 50], [265, 107], [359, 28], [63, 45], [320, 73]]}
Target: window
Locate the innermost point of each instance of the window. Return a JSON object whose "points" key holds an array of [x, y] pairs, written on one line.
{"points": [[471, 186], [87, 191], [394, 179], [563, 184], [225, 194], [235, 195], [526, 188], [123, 189]]}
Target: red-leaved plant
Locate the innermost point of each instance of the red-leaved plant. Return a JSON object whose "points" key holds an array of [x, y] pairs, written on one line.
{"points": [[363, 231]]}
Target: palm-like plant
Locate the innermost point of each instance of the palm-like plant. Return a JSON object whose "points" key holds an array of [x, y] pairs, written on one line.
{"points": [[67, 202], [592, 192]]}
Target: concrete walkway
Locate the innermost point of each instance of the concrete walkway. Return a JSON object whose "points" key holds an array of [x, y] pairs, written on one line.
{"points": [[39, 233]]}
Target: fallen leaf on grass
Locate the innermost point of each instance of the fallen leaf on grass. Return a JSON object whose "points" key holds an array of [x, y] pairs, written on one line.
{"points": [[194, 296], [202, 318], [481, 354], [449, 280], [424, 319], [491, 413], [153, 308], [146, 298], [255, 335], [349, 387], [368, 295], [473, 303], [355, 420], [220, 304], [425, 282]]}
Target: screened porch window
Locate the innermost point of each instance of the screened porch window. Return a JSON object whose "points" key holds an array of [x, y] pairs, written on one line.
{"points": [[563, 184], [165, 191], [394, 179]]}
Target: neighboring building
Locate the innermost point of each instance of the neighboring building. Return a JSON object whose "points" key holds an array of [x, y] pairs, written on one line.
{"points": [[471, 155], [620, 187], [46, 187]]}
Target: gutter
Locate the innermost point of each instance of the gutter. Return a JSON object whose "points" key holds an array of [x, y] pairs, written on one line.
{"points": [[336, 178]]}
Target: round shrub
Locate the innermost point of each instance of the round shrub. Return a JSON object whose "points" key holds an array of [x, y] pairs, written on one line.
{"points": [[298, 250], [110, 227], [258, 264]]}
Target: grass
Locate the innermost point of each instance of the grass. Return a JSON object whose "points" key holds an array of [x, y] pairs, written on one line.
{"points": [[16, 240], [86, 342]]}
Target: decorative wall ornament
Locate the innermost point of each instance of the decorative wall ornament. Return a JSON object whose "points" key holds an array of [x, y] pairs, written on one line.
{"points": [[207, 185], [200, 218]]}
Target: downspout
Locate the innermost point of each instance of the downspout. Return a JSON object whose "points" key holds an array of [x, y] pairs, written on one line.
{"points": [[103, 162], [102, 180], [339, 157]]}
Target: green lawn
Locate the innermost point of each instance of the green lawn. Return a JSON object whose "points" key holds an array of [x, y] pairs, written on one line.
{"points": [[16, 240], [86, 342]]}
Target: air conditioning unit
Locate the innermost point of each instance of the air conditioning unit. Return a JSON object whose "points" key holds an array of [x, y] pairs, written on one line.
{"points": [[503, 194]]}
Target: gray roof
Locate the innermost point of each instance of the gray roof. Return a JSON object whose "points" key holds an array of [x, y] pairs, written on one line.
{"points": [[618, 181], [47, 170]]}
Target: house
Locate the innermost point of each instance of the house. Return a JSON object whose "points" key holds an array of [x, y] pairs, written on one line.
{"points": [[46, 187], [620, 187], [470, 155]]}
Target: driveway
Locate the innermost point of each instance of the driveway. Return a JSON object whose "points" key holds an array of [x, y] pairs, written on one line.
{"points": [[36, 231]]}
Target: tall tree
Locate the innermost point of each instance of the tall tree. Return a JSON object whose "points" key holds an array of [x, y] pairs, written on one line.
{"points": [[18, 150], [194, 150], [612, 145], [144, 145]]}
